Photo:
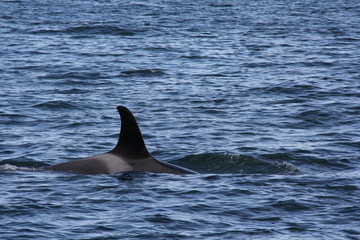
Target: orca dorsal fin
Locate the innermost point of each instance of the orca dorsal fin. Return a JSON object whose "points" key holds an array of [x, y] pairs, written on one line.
{"points": [[131, 143]]}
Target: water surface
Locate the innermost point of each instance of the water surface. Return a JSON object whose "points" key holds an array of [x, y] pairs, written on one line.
{"points": [[261, 98]]}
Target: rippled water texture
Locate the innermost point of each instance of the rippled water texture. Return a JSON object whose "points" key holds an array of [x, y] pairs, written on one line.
{"points": [[260, 97]]}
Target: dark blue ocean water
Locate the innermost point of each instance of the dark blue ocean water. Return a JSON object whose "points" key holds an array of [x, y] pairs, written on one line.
{"points": [[262, 98]]}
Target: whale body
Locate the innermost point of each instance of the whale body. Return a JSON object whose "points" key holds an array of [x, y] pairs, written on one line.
{"points": [[129, 155]]}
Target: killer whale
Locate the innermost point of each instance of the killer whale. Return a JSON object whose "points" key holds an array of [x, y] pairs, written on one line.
{"points": [[129, 155]]}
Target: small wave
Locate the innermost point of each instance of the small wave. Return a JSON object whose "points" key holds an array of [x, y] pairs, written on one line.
{"points": [[212, 75], [318, 63], [295, 89], [291, 205], [15, 119], [100, 30], [88, 30], [9, 165], [315, 117], [72, 75], [73, 91], [143, 73], [227, 163], [22, 164], [220, 5], [55, 105]]}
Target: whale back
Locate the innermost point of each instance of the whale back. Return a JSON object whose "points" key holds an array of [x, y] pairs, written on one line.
{"points": [[129, 155]]}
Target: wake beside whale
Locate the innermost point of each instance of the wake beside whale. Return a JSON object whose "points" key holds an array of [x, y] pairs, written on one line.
{"points": [[129, 155]]}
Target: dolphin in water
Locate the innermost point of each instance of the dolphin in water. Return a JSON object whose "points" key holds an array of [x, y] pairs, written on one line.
{"points": [[129, 155]]}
